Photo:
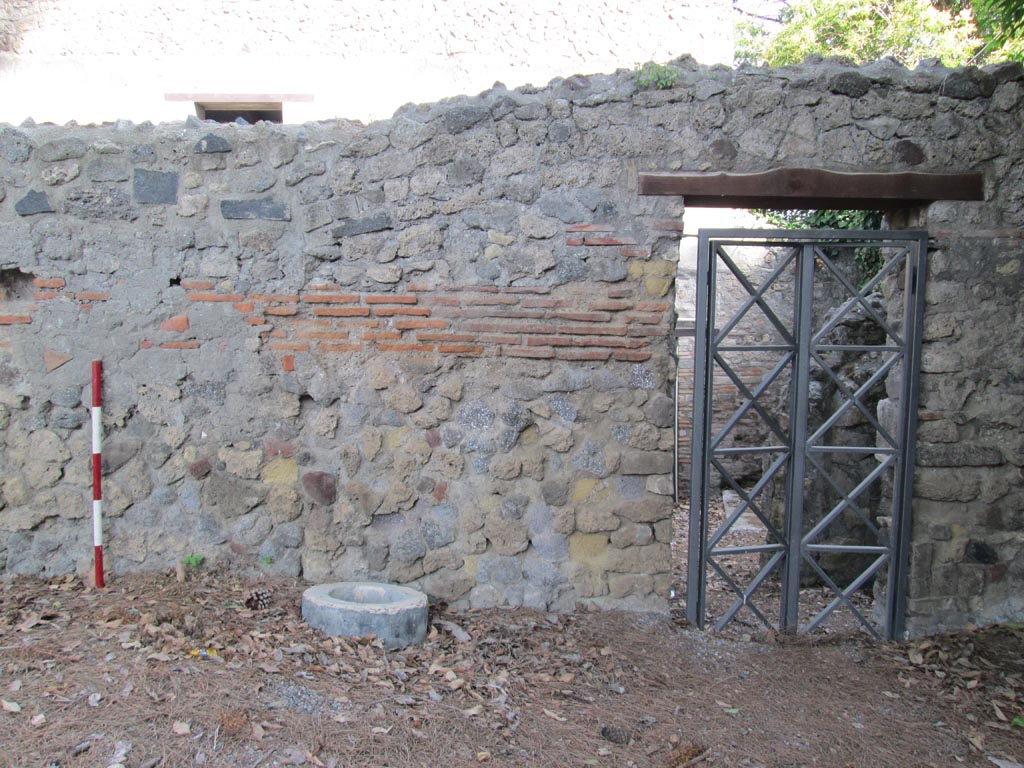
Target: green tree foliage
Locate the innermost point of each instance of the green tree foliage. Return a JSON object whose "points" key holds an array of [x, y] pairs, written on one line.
{"points": [[826, 219], [1001, 24], [868, 260], [862, 30]]}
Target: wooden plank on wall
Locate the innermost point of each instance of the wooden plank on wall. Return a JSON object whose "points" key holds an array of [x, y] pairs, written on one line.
{"points": [[813, 188]]}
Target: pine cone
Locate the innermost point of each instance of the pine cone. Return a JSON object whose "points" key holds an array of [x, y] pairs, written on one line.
{"points": [[258, 599]]}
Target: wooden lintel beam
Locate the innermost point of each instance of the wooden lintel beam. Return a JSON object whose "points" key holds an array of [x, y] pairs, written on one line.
{"points": [[812, 188], [234, 98]]}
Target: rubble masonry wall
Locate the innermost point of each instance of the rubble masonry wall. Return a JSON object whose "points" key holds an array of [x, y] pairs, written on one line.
{"points": [[437, 349]]}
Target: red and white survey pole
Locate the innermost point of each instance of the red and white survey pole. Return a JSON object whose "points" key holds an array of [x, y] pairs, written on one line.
{"points": [[97, 466]]}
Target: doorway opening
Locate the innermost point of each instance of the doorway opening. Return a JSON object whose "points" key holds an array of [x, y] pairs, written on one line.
{"points": [[795, 497]]}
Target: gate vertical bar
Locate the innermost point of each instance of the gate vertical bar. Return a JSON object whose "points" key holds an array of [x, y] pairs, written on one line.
{"points": [[804, 294], [903, 487], [675, 428], [700, 431]]}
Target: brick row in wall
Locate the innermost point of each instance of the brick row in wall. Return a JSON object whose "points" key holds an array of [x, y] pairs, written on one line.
{"points": [[543, 323], [20, 313]]}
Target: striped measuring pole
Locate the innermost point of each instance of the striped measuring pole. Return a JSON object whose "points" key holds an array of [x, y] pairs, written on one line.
{"points": [[97, 466]]}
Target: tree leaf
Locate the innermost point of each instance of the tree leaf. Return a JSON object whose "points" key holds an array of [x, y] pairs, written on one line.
{"points": [[10, 706], [181, 728]]}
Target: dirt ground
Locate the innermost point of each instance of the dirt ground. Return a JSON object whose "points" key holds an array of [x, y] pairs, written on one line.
{"points": [[152, 671]]}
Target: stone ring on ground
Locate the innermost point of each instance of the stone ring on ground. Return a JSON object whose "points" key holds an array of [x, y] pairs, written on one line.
{"points": [[397, 615]]}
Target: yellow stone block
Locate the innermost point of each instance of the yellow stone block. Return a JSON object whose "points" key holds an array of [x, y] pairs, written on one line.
{"points": [[658, 286], [500, 238], [530, 435], [470, 565], [282, 471], [587, 547], [583, 489], [396, 438], [636, 269], [659, 268]]}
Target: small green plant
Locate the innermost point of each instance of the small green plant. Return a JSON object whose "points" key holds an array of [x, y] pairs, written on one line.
{"points": [[652, 75], [192, 562], [266, 560], [1018, 721]]}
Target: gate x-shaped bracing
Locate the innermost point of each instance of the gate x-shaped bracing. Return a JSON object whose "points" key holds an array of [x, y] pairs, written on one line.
{"points": [[818, 372]]}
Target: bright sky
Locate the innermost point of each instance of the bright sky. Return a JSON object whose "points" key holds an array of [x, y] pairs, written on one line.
{"points": [[100, 60]]}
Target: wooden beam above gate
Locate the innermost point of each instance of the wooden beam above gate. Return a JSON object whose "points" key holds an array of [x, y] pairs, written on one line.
{"points": [[812, 188]]}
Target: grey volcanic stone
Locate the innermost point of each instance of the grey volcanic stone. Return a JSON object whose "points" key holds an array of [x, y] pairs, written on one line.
{"points": [[499, 569], [555, 492], [69, 397], [661, 410], [641, 378], [350, 227], [212, 144], [100, 203], [852, 84], [142, 153], [261, 208], [155, 187], [459, 119], [61, 149], [119, 452], [646, 462], [591, 459], [65, 418], [15, 146], [438, 533], [230, 497], [104, 168], [408, 134], [959, 455], [968, 83], [476, 415], [724, 150], [32, 203], [408, 546], [397, 615]]}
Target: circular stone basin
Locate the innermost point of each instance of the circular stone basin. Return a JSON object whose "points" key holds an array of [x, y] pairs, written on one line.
{"points": [[397, 615]]}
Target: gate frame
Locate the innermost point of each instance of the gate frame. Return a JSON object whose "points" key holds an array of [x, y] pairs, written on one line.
{"points": [[913, 317]]}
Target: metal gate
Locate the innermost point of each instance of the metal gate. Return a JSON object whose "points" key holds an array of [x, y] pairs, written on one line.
{"points": [[788, 391]]}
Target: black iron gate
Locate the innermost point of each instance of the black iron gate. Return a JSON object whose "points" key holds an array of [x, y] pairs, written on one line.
{"points": [[805, 402]]}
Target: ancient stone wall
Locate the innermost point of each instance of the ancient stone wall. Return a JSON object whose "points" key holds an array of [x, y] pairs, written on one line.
{"points": [[438, 349], [432, 350]]}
